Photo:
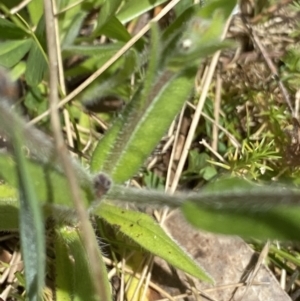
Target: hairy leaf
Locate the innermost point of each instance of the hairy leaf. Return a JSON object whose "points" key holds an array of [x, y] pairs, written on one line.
{"points": [[129, 140], [137, 131], [278, 222], [31, 228], [237, 207], [73, 281], [144, 231]]}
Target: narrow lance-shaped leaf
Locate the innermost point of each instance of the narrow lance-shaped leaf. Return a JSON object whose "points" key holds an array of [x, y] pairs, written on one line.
{"points": [[64, 266], [144, 197], [136, 132], [31, 228], [144, 231], [73, 29], [279, 222], [70, 20], [37, 60], [224, 194], [227, 207], [103, 153], [153, 66], [102, 52], [73, 281], [145, 126]]}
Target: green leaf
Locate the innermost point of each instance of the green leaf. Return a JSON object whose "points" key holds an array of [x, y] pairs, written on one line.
{"points": [[73, 29], [35, 100], [153, 66], [9, 213], [41, 148], [201, 38], [114, 29], [11, 52], [7, 191], [9, 208], [18, 70], [197, 161], [36, 10], [9, 31], [71, 15], [208, 10], [73, 279], [208, 172], [64, 267], [31, 228], [229, 206], [99, 56], [279, 222], [175, 28], [182, 6], [121, 194], [135, 134], [111, 85], [37, 63], [48, 184], [144, 231], [10, 3], [195, 35], [108, 10], [100, 51], [134, 8], [236, 207]]}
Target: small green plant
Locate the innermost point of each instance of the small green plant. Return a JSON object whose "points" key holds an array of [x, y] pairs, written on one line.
{"points": [[36, 189]]}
